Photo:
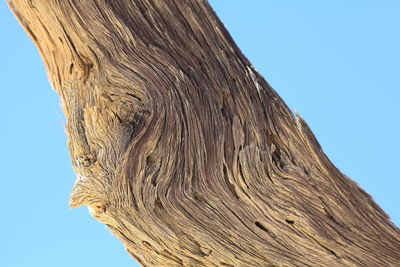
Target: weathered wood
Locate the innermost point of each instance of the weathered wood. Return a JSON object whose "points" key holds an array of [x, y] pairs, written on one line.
{"points": [[186, 152]]}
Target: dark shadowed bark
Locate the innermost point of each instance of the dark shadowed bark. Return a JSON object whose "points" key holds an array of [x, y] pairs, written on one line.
{"points": [[185, 152]]}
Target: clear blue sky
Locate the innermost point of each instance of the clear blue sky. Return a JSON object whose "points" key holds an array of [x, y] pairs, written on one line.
{"points": [[335, 62]]}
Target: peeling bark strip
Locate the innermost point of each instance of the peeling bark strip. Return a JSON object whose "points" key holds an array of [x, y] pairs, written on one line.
{"points": [[186, 152]]}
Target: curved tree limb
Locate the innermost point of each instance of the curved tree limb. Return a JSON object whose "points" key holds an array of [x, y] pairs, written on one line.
{"points": [[185, 152]]}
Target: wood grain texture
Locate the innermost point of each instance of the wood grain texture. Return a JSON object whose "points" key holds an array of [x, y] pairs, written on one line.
{"points": [[185, 152]]}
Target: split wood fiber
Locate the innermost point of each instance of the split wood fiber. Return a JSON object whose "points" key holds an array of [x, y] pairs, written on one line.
{"points": [[185, 152]]}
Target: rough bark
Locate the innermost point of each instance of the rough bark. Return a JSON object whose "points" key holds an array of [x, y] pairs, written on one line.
{"points": [[185, 152]]}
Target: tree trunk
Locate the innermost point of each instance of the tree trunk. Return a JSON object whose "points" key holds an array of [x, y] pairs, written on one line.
{"points": [[185, 152]]}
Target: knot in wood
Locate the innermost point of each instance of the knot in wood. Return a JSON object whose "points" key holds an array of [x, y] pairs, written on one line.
{"points": [[85, 161]]}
